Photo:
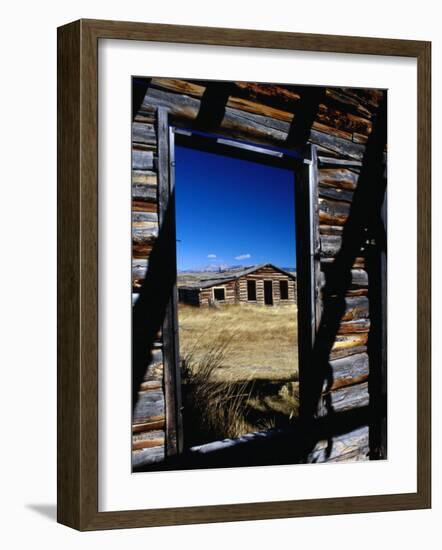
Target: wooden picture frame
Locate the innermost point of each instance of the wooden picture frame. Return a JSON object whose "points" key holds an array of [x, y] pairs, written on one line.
{"points": [[78, 274]]}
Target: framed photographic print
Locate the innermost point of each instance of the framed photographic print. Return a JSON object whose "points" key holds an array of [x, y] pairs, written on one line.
{"points": [[243, 333]]}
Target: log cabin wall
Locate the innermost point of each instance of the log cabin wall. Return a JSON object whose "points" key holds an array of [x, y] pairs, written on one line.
{"points": [[340, 123], [267, 273], [149, 413], [236, 291]]}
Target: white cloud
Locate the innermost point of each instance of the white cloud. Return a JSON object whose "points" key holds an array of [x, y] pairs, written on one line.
{"points": [[242, 257], [211, 256]]}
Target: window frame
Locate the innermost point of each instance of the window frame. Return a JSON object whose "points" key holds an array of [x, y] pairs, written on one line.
{"points": [[286, 292], [223, 288], [249, 281], [303, 162]]}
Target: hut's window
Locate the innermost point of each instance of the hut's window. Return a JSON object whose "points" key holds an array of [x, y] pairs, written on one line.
{"points": [[219, 294], [251, 291], [284, 290]]}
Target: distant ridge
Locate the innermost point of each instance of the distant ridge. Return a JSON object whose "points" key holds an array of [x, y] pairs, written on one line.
{"points": [[224, 268]]}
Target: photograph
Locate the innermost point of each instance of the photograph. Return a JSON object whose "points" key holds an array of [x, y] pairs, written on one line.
{"points": [[244, 274], [258, 274]]}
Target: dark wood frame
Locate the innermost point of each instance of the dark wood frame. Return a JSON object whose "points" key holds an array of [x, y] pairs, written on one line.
{"points": [[301, 162], [78, 274]]}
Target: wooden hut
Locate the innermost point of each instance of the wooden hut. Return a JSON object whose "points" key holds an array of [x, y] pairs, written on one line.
{"points": [[336, 138], [261, 285]]}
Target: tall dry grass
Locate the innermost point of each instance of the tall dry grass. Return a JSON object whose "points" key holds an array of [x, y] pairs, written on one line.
{"points": [[239, 369], [213, 408], [262, 338]]}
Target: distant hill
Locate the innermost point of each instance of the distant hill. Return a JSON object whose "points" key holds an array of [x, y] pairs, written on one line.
{"points": [[224, 268]]}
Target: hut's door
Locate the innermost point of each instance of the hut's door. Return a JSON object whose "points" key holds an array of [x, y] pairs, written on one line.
{"points": [[268, 293]]}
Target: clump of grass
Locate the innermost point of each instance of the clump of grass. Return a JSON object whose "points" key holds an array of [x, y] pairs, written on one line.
{"points": [[213, 408]]}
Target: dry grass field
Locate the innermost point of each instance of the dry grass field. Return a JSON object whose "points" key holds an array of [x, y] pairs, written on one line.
{"points": [[239, 369]]}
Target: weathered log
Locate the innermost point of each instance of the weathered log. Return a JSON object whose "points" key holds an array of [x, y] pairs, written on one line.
{"points": [[342, 146], [259, 109], [142, 250], [241, 123], [178, 86], [142, 232], [352, 446], [147, 443], [345, 101], [285, 116], [279, 97], [144, 457], [326, 229], [335, 193], [179, 105], [333, 161], [332, 131], [145, 427], [356, 308], [144, 192], [145, 117], [257, 128], [144, 205], [330, 245], [342, 120], [144, 177], [143, 133], [142, 160], [350, 340], [358, 263], [346, 371], [370, 97], [147, 217], [357, 292], [154, 373], [149, 405], [344, 399], [149, 435], [333, 212], [139, 269], [359, 138], [145, 147], [156, 359], [339, 178], [147, 440], [151, 385], [346, 352], [357, 325], [359, 278]]}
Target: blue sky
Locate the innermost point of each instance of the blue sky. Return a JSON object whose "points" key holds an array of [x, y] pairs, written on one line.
{"points": [[232, 212]]}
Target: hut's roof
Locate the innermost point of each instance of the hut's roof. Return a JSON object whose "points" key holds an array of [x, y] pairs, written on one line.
{"points": [[228, 276]]}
